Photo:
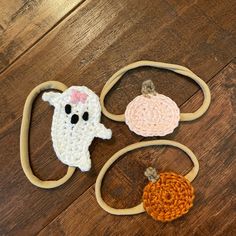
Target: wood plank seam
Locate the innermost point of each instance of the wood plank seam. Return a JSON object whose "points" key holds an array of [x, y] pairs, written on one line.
{"points": [[43, 36], [212, 20]]}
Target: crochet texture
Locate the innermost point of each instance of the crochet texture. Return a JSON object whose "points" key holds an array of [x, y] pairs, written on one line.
{"points": [[76, 121], [168, 198], [152, 115]]}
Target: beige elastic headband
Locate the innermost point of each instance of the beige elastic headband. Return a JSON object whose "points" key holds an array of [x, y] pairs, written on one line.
{"points": [[139, 208], [24, 138], [175, 68]]}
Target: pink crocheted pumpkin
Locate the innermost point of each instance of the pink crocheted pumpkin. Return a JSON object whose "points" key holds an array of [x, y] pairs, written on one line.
{"points": [[152, 115]]}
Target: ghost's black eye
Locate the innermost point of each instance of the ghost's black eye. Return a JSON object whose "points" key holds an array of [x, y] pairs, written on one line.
{"points": [[85, 116], [68, 109]]}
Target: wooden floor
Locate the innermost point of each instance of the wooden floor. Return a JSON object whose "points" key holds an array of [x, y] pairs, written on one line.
{"points": [[84, 43]]}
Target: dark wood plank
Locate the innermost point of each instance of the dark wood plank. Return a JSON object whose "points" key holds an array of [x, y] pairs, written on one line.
{"points": [[212, 139], [24, 22], [221, 12], [109, 36]]}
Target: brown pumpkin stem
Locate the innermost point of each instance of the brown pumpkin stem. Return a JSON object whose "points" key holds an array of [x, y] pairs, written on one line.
{"points": [[148, 88], [151, 174]]}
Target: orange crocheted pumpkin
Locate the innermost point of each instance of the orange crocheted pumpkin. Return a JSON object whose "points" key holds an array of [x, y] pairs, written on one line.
{"points": [[170, 197]]}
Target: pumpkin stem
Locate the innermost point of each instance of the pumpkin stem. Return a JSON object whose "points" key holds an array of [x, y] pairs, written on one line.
{"points": [[151, 174], [148, 88]]}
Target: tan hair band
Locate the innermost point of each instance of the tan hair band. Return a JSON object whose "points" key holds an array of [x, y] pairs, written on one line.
{"points": [[24, 138], [139, 208], [172, 67]]}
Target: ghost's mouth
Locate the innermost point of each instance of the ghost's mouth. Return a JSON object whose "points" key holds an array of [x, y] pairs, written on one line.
{"points": [[74, 119]]}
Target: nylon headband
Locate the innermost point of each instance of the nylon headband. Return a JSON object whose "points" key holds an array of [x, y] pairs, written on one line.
{"points": [[172, 67], [24, 138], [139, 208]]}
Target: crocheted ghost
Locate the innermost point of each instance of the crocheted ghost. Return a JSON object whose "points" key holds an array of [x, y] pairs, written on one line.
{"points": [[76, 122]]}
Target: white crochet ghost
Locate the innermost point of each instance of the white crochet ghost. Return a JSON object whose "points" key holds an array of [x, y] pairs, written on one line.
{"points": [[76, 121]]}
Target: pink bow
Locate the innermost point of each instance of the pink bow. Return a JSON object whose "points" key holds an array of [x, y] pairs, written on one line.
{"points": [[77, 97]]}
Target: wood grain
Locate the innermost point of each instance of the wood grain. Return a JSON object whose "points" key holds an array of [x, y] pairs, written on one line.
{"points": [[214, 186], [221, 12], [24, 22], [86, 48]]}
